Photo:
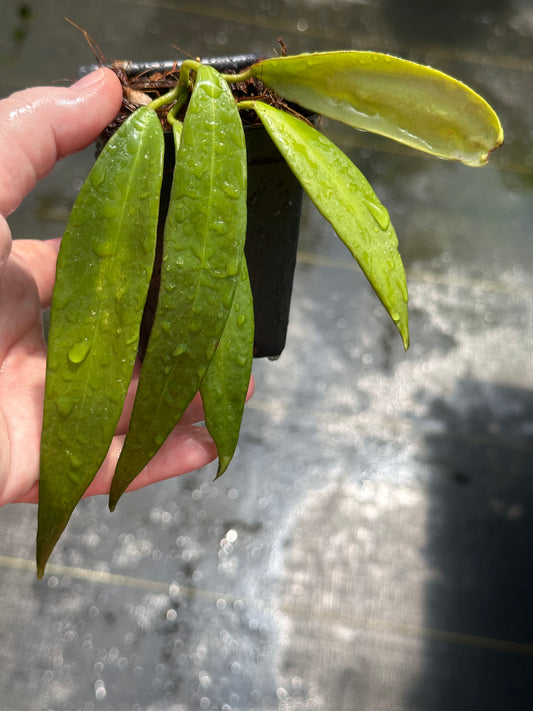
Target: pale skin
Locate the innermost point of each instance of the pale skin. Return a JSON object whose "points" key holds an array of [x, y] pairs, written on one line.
{"points": [[37, 128]]}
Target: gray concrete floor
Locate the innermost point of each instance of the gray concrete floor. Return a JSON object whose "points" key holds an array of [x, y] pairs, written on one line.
{"points": [[371, 546]]}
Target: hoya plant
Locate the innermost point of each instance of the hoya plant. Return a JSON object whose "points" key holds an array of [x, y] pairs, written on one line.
{"points": [[203, 330]]}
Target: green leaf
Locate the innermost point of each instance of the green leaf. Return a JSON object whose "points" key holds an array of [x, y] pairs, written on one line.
{"points": [[226, 382], [345, 198], [407, 102], [103, 272], [204, 237]]}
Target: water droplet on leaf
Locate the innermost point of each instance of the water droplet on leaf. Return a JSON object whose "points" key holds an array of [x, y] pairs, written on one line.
{"points": [[379, 213], [75, 461], [65, 405], [232, 191], [78, 352], [212, 90], [97, 175], [104, 249]]}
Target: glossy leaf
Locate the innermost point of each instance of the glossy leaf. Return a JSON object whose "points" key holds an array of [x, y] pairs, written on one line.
{"points": [[103, 272], [226, 382], [407, 102], [203, 246], [347, 201]]}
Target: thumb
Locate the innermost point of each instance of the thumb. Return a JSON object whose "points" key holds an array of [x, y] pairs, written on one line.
{"points": [[39, 126]]}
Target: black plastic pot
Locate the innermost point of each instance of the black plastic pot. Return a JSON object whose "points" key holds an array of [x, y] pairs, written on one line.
{"points": [[274, 207]]}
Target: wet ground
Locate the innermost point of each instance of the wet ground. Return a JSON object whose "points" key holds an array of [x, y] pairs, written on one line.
{"points": [[371, 546]]}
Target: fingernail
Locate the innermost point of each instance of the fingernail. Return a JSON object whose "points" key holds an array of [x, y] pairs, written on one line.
{"points": [[90, 79]]}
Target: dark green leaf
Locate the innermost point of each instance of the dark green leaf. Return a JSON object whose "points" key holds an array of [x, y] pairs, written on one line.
{"points": [[226, 382], [103, 272], [203, 246]]}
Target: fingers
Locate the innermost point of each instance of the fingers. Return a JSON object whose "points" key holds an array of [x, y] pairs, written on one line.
{"points": [[41, 125], [40, 257], [192, 415], [5, 242], [187, 448], [20, 311]]}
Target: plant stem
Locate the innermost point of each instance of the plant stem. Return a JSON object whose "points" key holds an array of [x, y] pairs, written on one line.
{"points": [[246, 105], [180, 89], [178, 95], [165, 99], [236, 78], [187, 67], [181, 98]]}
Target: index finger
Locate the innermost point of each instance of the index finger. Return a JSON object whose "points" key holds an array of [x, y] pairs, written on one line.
{"points": [[39, 126]]}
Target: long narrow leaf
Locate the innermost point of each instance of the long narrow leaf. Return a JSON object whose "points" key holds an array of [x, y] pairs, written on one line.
{"points": [[345, 198], [408, 102], [103, 272], [226, 382], [204, 239]]}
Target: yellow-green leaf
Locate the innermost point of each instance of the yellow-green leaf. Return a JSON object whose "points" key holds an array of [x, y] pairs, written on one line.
{"points": [[347, 201], [405, 101]]}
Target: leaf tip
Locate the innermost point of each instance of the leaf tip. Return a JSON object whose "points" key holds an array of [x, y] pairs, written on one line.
{"points": [[222, 466], [488, 147], [497, 144], [402, 324], [43, 554]]}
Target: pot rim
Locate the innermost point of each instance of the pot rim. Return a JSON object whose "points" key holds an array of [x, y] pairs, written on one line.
{"points": [[238, 62]]}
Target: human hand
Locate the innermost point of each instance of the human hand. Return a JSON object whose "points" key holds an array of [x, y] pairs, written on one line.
{"points": [[38, 127]]}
